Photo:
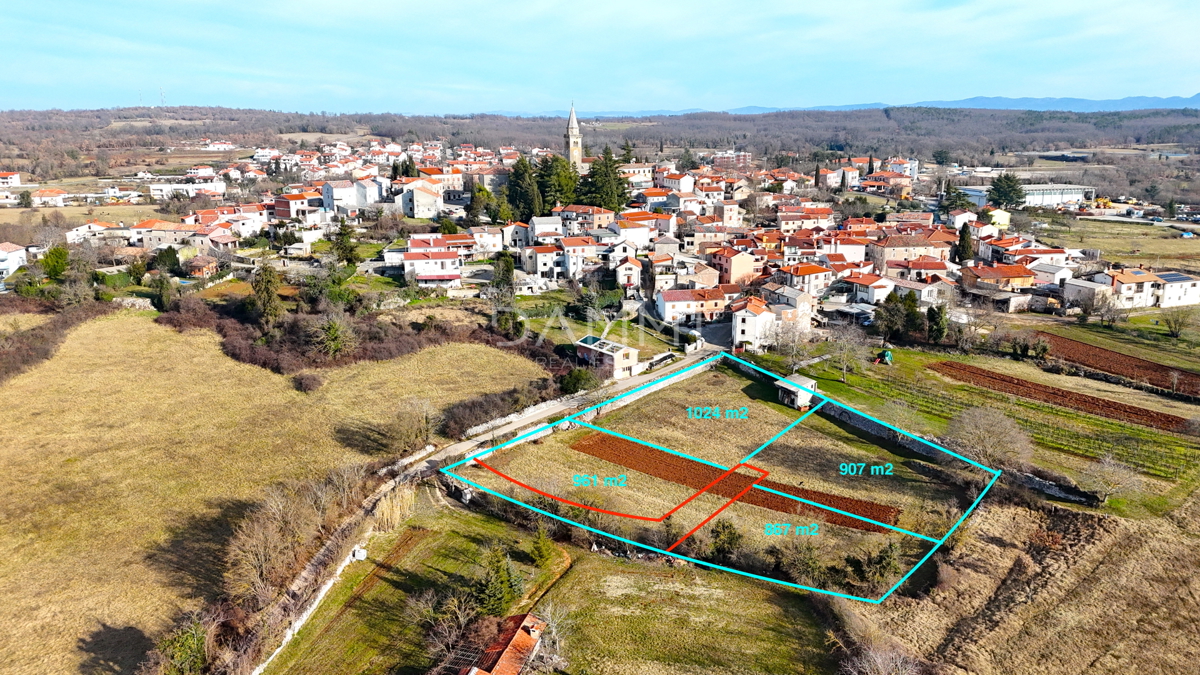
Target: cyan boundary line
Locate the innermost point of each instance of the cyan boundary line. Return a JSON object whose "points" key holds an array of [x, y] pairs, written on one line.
{"points": [[648, 384], [505, 444], [785, 430], [845, 513], [943, 540], [917, 438], [648, 444], [759, 487], [856, 410], [658, 550]]}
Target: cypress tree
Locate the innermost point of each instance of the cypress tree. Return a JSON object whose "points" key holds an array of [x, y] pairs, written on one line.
{"points": [[966, 246]]}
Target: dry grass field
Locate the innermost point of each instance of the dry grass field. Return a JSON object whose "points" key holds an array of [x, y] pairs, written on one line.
{"points": [[124, 458], [662, 417], [13, 323]]}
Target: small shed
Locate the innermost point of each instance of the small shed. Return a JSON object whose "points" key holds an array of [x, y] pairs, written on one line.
{"points": [[796, 391]]}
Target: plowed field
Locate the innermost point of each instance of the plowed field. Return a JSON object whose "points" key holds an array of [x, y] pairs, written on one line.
{"points": [[683, 471], [1068, 399], [1108, 361]]}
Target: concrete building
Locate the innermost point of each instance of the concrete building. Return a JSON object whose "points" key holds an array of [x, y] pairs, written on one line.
{"points": [[614, 359], [1039, 194]]}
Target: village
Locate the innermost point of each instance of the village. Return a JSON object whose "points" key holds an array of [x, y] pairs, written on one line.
{"points": [[713, 245]]}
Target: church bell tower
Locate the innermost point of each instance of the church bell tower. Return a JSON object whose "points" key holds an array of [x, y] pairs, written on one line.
{"points": [[573, 145]]}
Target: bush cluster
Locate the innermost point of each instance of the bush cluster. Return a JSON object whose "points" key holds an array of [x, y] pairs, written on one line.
{"points": [[475, 411], [24, 349]]}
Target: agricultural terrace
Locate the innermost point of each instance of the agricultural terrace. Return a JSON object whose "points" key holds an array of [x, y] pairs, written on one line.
{"points": [[128, 455], [916, 398], [626, 618]]}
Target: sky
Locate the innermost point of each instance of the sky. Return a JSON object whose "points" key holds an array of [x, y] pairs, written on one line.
{"points": [[536, 55]]}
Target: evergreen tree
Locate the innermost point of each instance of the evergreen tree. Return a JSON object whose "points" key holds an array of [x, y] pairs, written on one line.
{"points": [[516, 581], [395, 170], [604, 186], [889, 316], [543, 548], [56, 260], [266, 295], [344, 247], [25, 200], [686, 161], [870, 165], [941, 157], [914, 320], [845, 182], [557, 182], [162, 293], [937, 322], [494, 592], [817, 176], [1006, 191], [165, 261], [447, 226], [523, 193], [954, 200], [965, 250], [626, 152]]}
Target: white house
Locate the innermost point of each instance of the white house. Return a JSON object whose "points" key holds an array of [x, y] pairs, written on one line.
{"points": [[338, 193], [960, 217], [434, 269], [12, 258], [421, 203], [629, 273], [10, 179], [488, 240], [1131, 287], [807, 277], [1046, 273], [1177, 289]]}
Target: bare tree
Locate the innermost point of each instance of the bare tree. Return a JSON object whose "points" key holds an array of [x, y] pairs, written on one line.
{"points": [[848, 347], [1108, 478], [1110, 312], [790, 339], [551, 653], [990, 437], [881, 661], [1178, 319]]}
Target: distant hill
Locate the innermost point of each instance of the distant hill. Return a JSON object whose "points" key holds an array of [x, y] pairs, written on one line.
{"points": [[979, 102]]}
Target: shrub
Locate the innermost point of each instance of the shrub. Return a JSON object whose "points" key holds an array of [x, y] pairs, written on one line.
{"points": [[579, 379], [307, 382], [475, 411]]}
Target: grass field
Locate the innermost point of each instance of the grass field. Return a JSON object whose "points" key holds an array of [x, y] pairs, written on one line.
{"points": [[626, 618], [130, 214], [359, 628], [124, 459], [637, 619], [12, 323], [662, 418], [565, 330], [1126, 242]]}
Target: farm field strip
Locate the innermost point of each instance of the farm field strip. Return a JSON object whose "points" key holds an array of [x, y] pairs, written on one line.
{"points": [[657, 519], [1116, 363], [1039, 392], [853, 513]]}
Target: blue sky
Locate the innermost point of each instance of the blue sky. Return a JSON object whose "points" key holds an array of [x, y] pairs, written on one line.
{"points": [[469, 56]]}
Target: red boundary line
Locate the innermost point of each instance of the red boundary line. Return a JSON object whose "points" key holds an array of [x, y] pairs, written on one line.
{"points": [[646, 518], [723, 507]]}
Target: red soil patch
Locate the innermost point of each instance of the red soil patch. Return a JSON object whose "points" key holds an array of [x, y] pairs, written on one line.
{"points": [[1094, 405], [1108, 361], [696, 475]]}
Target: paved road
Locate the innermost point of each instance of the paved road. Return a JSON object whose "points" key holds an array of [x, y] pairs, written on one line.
{"points": [[419, 462]]}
